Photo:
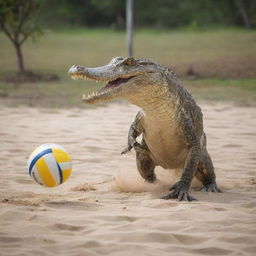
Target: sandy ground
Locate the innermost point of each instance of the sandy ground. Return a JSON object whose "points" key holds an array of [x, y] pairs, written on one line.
{"points": [[105, 208]]}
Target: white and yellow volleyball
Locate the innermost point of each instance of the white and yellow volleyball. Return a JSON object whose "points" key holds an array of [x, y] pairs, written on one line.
{"points": [[50, 165]]}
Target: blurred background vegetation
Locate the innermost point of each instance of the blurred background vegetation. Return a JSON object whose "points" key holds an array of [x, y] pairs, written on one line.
{"points": [[210, 44], [150, 13]]}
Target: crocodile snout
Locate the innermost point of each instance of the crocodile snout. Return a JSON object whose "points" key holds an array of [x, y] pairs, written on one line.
{"points": [[74, 69]]}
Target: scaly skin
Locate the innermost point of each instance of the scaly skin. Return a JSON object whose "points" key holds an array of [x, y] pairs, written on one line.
{"points": [[170, 122]]}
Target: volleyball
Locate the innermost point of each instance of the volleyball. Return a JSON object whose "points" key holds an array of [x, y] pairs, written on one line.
{"points": [[50, 165]]}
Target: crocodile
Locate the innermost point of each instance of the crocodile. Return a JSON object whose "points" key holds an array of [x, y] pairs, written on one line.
{"points": [[170, 121]]}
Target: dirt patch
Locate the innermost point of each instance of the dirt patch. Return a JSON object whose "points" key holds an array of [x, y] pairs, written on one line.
{"points": [[27, 77], [234, 68]]}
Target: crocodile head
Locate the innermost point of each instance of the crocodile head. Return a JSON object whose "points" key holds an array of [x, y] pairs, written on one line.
{"points": [[123, 78]]}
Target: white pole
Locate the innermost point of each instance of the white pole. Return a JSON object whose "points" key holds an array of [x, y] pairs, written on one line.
{"points": [[129, 26]]}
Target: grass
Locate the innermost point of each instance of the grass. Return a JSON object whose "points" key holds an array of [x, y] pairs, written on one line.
{"points": [[240, 92], [223, 59]]}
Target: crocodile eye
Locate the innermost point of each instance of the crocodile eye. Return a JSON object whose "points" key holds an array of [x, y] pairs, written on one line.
{"points": [[129, 62]]}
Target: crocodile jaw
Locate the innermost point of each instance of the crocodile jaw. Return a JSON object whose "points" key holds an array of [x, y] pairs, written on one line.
{"points": [[112, 88]]}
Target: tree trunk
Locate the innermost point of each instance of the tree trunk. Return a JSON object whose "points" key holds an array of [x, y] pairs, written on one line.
{"points": [[19, 57], [242, 11]]}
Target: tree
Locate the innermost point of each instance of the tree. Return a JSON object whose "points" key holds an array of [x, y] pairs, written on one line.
{"points": [[112, 10], [18, 20], [243, 13]]}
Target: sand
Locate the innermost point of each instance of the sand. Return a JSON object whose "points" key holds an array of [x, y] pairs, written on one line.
{"points": [[105, 208]]}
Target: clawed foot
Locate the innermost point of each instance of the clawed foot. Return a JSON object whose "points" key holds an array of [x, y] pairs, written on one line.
{"points": [[179, 192], [181, 196], [126, 150], [135, 145], [151, 178], [212, 187], [130, 147]]}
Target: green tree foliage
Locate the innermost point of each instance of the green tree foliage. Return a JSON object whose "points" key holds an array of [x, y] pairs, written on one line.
{"points": [[90, 13], [173, 13], [114, 10], [18, 20], [158, 13]]}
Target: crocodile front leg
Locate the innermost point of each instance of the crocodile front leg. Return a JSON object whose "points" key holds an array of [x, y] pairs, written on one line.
{"points": [[180, 189], [135, 130], [144, 162]]}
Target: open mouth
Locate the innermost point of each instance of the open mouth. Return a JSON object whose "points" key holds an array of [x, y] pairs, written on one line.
{"points": [[108, 88], [114, 84]]}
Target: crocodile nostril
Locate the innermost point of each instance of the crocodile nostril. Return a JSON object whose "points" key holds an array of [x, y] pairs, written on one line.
{"points": [[73, 69]]}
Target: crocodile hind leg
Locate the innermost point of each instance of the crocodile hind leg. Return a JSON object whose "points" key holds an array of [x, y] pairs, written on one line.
{"points": [[144, 162], [205, 173]]}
